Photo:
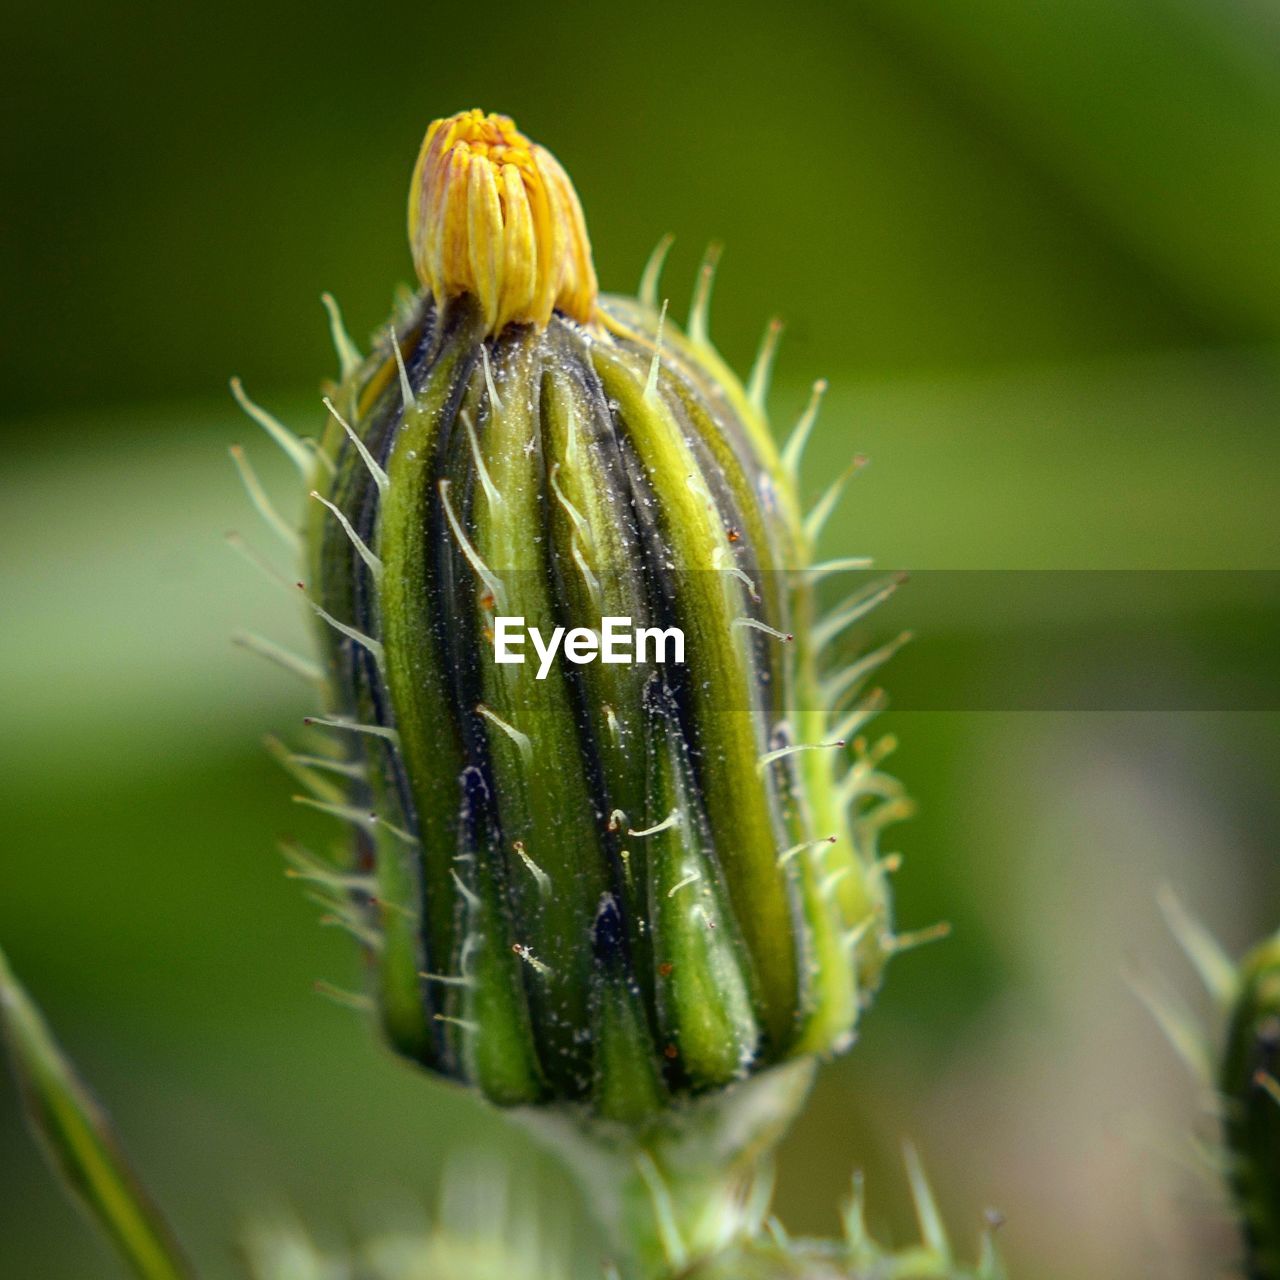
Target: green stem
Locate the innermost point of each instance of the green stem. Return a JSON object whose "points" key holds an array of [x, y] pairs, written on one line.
{"points": [[80, 1142], [686, 1183]]}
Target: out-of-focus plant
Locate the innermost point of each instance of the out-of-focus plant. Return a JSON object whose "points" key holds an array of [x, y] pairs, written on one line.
{"points": [[79, 1142], [1251, 1105], [632, 904], [1240, 1078]]}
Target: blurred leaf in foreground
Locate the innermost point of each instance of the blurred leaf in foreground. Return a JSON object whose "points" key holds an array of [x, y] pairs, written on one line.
{"points": [[79, 1141]]}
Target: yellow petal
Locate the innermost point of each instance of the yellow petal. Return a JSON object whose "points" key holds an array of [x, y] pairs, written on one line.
{"points": [[493, 215]]}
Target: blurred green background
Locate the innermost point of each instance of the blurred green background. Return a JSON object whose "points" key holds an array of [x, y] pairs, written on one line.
{"points": [[1035, 249]]}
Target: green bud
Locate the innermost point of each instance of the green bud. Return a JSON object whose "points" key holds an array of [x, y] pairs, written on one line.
{"points": [[608, 883]]}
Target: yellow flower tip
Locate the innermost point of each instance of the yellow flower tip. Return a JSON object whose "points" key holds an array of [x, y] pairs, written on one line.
{"points": [[493, 215]]}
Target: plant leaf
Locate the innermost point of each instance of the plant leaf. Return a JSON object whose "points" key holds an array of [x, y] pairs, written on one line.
{"points": [[79, 1141]]}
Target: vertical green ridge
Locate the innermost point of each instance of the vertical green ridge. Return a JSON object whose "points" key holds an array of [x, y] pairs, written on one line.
{"points": [[421, 898], [539, 782], [726, 738], [706, 988]]}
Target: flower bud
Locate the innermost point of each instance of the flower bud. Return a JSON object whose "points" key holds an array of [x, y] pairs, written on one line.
{"points": [[601, 881]]}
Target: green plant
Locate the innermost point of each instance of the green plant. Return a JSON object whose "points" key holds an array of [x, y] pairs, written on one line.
{"points": [[1251, 1119], [633, 905], [1238, 1077]]}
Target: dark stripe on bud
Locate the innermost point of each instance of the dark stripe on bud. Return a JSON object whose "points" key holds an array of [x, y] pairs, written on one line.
{"points": [[604, 887]]}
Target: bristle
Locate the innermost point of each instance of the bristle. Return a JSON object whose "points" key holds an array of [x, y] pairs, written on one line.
{"points": [[301, 667], [673, 1247], [787, 854], [897, 943], [362, 548], [862, 713], [448, 979], [541, 878], [1179, 1026], [652, 274], [853, 1217], [932, 1231], [856, 607], [853, 937], [522, 740], [756, 625], [722, 560], [615, 725], [406, 387], [570, 436], [494, 399], [486, 481], [349, 357], [379, 475], [655, 365], [762, 369], [347, 999], [486, 575], [259, 561], [581, 528], [359, 637], [354, 726], [299, 454], [594, 589], [815, 521], [842, 564], [463, 1024], [262, 503], [989, 1265], [780, 753], [361, 818], [1220, 976], [665, 825], [1268, 1084], [320, 787], [853, 675], [699, 311], [347, 768], [894, 808], [363, 933], [793, 450], [303, 861], [526, 954], [690, 877]]}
